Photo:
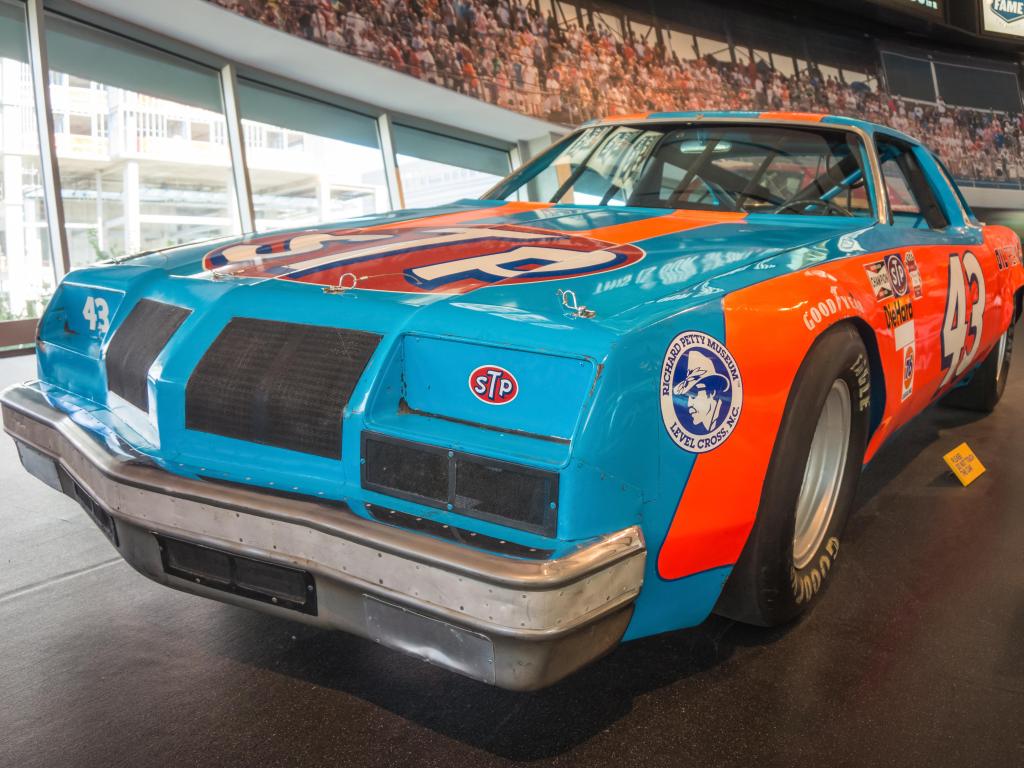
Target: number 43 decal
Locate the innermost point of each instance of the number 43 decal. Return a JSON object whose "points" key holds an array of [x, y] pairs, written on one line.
{"points": [[97, 313], [965, 305]]}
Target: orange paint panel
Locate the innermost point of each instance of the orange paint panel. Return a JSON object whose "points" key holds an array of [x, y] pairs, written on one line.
{"points": [[677, 221], [719, 503], [462, 217], [807, 117], [632, 116]]}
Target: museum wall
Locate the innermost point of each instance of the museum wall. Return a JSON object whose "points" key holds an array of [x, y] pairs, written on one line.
{"points": [[570, 62]]}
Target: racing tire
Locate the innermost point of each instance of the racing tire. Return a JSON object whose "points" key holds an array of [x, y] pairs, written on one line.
{"points": [[809, 486], [988, 382]]}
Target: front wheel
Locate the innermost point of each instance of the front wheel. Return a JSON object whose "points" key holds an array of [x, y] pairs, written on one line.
{"points": [[809, 487]]}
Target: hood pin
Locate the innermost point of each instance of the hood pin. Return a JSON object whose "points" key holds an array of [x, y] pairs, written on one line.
{"points": [[569, 302], [342, 285]]}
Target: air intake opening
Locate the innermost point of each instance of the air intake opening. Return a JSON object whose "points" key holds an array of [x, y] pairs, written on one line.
{"points": [[255, 579], [475, 486], [279, 384], [136, 344]]}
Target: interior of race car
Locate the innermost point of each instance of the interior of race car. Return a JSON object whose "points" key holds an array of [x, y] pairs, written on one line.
{"points": [[813, 171]]}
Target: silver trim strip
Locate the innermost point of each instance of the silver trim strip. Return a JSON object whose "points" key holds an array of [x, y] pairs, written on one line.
{"points": [[236, 146], [496, 594]]}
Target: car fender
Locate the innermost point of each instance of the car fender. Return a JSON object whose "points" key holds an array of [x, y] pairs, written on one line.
{"points": [[769, 328]]}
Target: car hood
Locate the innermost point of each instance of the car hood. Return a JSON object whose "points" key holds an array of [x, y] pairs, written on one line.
{"points": [[518, 257]]}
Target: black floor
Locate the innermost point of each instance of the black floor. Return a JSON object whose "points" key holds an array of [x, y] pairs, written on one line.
{"points": [[915, 657]]}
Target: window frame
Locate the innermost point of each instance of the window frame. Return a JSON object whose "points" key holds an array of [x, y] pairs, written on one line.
{"points": [[917, 179], [875, 184]]}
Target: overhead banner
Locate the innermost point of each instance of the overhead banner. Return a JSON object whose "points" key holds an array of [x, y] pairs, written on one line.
{"points": [[1003, 17], [930, 8]]}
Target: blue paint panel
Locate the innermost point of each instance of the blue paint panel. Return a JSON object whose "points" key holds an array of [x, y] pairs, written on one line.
{"points": [[436, 378], [685, 602], [574, 218], [67, 325]]}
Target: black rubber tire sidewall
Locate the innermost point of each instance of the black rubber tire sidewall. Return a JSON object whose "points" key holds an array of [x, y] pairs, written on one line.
{"points": [[765, 587], [985, 388]]}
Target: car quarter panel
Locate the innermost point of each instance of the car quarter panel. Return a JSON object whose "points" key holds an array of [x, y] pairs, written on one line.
{"points": [[770, 326]]}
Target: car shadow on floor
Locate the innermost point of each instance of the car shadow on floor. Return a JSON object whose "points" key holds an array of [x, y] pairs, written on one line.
{"points": [[547, 723]]}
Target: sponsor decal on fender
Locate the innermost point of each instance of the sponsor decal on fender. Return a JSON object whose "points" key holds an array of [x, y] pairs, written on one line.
{"points": [[878, 277], [701, 392], [899, 315], [439, 259], [835, 304], [915, 274], [908, 370], [897, 274], [493, 385], [898, 312], [1008, 255]]}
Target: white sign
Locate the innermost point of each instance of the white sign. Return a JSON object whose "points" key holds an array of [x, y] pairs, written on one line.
{"points": [[1004, 17]]}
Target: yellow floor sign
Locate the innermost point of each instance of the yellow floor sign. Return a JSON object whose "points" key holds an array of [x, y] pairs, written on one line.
{"points": [[964, 463]]}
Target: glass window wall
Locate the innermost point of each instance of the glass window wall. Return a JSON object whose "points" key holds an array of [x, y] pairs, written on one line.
{"points": [[26, 273], [141, 146], [437, 169], [309, 162]]}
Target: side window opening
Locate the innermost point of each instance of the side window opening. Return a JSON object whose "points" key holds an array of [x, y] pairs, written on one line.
{"points": [[968, 213], [912, 201]]}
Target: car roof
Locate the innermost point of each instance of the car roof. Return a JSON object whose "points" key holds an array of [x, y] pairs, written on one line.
{"points": [[774, 117]]}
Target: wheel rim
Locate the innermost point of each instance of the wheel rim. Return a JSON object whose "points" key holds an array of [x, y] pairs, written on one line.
{"points": [[1001, 354], [823, 475]]}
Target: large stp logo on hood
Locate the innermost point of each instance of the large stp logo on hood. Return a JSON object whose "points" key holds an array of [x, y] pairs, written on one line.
{"points": [[422, 259]]}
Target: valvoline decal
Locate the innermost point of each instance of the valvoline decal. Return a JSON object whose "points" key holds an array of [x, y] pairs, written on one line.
{"points": [[493, 385]]}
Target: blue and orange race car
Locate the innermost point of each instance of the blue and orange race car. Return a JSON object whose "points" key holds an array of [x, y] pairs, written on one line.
{"points": [[634, 384]]}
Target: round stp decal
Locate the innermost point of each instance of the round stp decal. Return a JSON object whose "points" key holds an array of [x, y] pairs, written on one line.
{"points": [[493, 385], [422, 259], [701, 392], [897, 274]]}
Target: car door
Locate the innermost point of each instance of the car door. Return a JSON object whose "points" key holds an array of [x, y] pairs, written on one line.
{"points": [[939, 277]]}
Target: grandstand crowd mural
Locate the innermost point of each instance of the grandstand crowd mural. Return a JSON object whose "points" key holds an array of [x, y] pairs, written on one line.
{"points": [[509, 53]]}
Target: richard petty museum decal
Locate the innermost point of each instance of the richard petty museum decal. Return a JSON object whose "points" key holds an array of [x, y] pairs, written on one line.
{"points": [[701, 392], [422, 260]]}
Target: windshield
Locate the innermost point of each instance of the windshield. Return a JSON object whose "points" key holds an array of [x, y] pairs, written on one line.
{"points": [[743, 168]]}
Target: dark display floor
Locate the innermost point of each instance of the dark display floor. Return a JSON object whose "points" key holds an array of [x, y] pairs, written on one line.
{"points": [[915, 657]]}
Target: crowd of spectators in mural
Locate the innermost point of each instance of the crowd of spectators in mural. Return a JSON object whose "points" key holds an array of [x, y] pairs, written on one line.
{"points": [[508, 53]]}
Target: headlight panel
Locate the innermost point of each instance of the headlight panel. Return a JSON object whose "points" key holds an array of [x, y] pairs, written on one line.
{"points": [[489, 489]]}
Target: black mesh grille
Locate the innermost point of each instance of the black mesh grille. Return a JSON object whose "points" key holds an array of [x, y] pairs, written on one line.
{"points": [[500, 491], [280, 384], [407, 470], [516, 495], [135, 346]]}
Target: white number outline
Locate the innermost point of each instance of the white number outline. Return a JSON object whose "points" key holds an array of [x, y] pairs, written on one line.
{"points": [[97, 313], [965, 275]]}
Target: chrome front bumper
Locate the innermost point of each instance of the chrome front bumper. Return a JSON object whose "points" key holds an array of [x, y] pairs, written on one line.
{"points": [[518, 624]]}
